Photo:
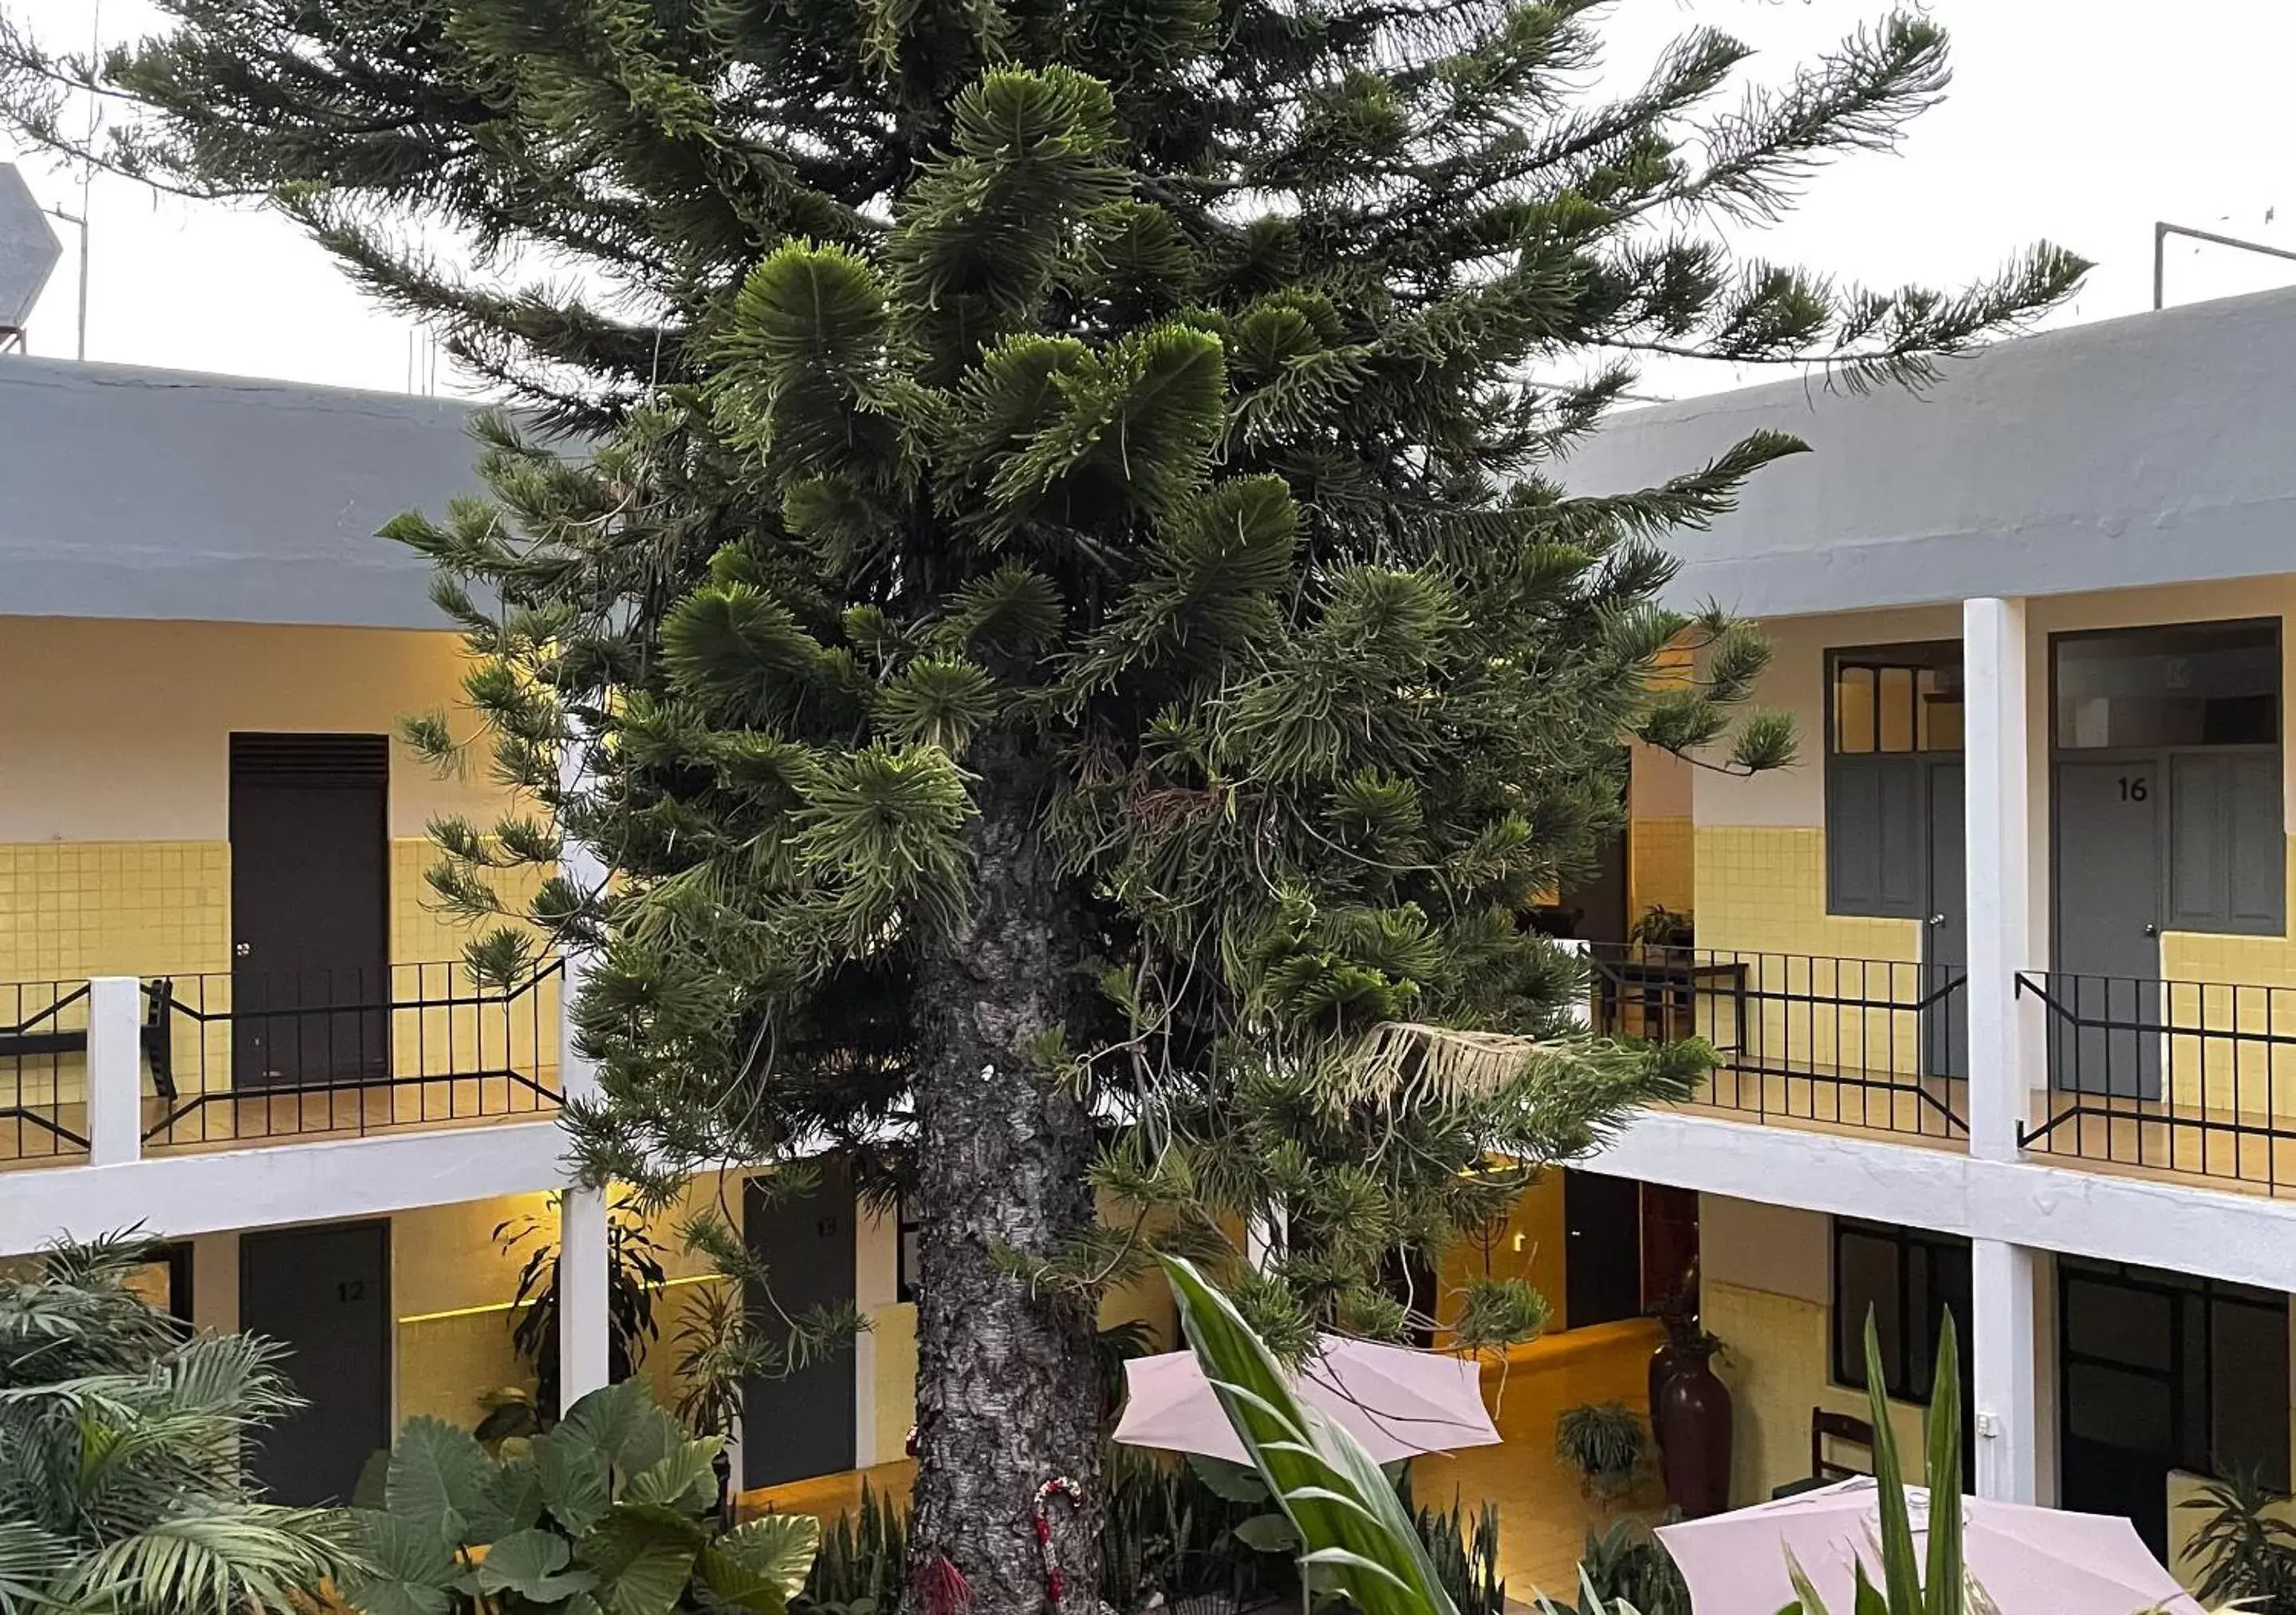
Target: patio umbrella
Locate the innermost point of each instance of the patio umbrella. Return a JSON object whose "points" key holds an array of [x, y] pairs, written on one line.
{"points": [[1398, 1403], [2030, 1561]]}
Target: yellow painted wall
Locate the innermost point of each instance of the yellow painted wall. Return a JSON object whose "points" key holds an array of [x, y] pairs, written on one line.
{"points": [[452, 1284], [1767, 1294], [1660, 849], [114, 824], [1529, 1246], [1759, 863]]}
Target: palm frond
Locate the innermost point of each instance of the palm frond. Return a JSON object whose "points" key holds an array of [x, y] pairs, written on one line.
{"points": [[218, 1554]]}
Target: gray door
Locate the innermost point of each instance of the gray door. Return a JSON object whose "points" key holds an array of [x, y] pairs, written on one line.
{"points": [[2108, 927], [324, 1294], [800, 1423], [1945, 940]]}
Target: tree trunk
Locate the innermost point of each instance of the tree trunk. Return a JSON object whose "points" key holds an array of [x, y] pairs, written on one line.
{"points": [[1006, 1391]]}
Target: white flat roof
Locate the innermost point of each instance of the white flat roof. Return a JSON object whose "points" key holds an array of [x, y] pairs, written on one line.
{"points": [[2158, 448], [129, 492]]}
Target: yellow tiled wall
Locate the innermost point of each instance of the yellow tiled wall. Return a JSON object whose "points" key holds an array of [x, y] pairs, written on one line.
{"points": [[2228, 983], [1777, 1360], [1661, 862], [1765, 1291], [70, 910], [1762, 905]]}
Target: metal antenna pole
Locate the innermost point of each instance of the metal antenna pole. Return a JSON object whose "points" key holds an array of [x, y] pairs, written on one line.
{"points": [[88, 168], [2163, 229]]}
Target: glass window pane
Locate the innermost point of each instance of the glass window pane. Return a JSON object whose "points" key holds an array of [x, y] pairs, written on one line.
{"points": [[2249, 1418], [2190, 684], [1941, 713], [1868, 1281], [1895, 702], [2135, 1413], [2118, 1324], [1853, 710]]}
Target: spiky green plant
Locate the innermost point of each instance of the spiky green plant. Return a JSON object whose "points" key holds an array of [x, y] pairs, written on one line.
{"points": [[124, 1443], [612, 1511], [1912, 1583], [1356, 1539]]}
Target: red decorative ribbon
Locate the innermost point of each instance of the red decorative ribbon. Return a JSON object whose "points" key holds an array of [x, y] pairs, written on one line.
{"points": [[1041, 1517]]}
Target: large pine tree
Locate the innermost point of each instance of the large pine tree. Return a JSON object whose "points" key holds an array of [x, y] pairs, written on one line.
{"points": [[1051, 588]]}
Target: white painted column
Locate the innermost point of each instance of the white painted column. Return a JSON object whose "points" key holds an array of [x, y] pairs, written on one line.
{"points": [[584, 1332], [115, 1070], [2000, 1343], [2004, 1032]]}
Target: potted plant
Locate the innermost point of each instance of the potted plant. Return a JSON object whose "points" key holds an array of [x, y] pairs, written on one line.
{"points": [[1604, 1441], [1663, 928]]}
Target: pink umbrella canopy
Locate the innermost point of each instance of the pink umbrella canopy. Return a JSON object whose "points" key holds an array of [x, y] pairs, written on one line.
{"points": [[1398, 1402], [2029, 1561]]}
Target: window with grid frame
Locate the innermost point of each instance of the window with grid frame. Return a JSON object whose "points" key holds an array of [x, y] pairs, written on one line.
{"points": [[1892, 713], [1907, 1278]]}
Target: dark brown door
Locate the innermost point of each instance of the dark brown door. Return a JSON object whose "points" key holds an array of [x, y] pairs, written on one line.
{"points": [[309, 902], [1602, 1254], [323, 1293], [799, 1422], [1669, 1244]]}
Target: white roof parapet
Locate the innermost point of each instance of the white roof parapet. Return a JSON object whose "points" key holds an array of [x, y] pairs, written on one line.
{"points": [[2148, 450], [129, 492]]}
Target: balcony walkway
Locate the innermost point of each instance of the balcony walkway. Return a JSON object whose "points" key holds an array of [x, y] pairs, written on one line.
{"points": [[1542, 1516]]}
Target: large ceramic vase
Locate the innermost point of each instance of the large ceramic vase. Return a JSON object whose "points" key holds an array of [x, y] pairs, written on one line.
{"points": [[1692, 1419], [1665, 1362]]}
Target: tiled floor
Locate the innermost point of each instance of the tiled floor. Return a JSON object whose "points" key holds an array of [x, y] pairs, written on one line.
{"points": [[1544, 1516]]}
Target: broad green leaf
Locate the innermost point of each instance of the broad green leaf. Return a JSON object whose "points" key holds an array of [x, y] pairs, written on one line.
{"points": [[644, 1555], [513, 1499], [761, 1565], [1268, 1534], [437, 1477], [410, 1569], [1231, 1482], [571, 1474], [682, 1479], [371, 1490], [533, 1564]]}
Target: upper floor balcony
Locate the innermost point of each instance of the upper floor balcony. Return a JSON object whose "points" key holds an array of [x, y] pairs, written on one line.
{"points": [[2176, 1080], [1867, 1045], [113, 1069]]}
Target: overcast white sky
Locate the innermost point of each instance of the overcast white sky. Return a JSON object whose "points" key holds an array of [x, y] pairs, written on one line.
{"points": [[2079, 120]]}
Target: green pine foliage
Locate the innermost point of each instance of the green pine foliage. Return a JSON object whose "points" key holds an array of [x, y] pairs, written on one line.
{"points": [[1064, 575]]}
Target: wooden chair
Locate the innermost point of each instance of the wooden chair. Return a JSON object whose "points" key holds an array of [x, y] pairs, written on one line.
{"points": [[1824, 1427]]}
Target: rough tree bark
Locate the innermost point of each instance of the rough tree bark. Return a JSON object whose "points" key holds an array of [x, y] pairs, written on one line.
{"points": [[1007, 1395]]}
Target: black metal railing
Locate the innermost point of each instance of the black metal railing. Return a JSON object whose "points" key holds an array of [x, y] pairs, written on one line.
{"points": [[43, 1072], [1858, 1043], [267, 1055], [2191, 1076]]}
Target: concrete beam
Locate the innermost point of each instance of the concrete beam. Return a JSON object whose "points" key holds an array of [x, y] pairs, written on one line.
{"points": [[2246, 1239]]}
